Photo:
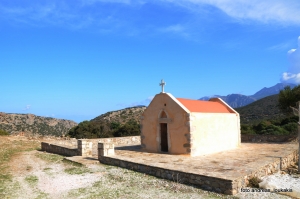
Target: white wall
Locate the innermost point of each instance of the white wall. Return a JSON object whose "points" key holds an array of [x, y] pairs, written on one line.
{"points": [[214, 132]]}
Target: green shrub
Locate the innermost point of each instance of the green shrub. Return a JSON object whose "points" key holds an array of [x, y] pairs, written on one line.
{"points": [[2, 132], [130, 128], [247, 129], [288, 120], [292, 128]]}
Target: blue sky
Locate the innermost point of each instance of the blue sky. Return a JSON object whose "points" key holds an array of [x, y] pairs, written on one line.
{"points": [[81, 58]]}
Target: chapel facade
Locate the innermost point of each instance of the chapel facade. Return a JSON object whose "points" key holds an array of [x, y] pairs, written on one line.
{"points": [[193, 127]]}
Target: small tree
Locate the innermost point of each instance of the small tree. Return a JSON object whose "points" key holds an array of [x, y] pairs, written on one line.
{"points": [[297, 112], [288, 97]]}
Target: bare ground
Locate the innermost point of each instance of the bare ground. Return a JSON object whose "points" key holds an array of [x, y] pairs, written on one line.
{"points": [[30, 173]]}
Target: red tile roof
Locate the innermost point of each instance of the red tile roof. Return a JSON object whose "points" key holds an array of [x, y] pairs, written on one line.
{"points": [[204, 106]]}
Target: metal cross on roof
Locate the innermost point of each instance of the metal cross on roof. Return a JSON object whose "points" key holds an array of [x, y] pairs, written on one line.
{"points": [[162, 84]]}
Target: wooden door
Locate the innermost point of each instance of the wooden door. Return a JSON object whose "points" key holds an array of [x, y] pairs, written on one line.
{"points": [[164, 137]]}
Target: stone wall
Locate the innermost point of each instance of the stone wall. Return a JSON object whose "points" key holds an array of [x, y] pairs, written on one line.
{"points": [[63, 142], [281, 163], [117, 141], [208, 183], [59, 149], [86, 147], [268, 138]]}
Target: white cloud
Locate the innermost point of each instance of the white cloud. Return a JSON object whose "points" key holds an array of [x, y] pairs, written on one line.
{"points": [[293, 73], [27, 107], [291, 77], [106, 1], [177, 29], [174, 28], [150, 98], [283, 11], [281, 46], [93, 13], [144, 102]]}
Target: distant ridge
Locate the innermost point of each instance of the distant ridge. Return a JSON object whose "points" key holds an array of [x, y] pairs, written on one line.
{"points": [[29, 124], [238, 100]]}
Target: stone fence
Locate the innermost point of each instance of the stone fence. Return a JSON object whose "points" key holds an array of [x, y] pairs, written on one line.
{"points": [[70, 143], [86, 147], [59, 149], [268, 138], [89, 147], [278, 165]]}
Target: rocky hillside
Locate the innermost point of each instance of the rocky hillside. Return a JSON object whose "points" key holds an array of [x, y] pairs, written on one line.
{"points": [[124, 122], [263, 109], [121, 116], [29, 124]]}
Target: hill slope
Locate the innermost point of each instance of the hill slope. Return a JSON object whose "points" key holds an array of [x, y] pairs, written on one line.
{"points": [[124, 122], [121, 116], [263, 109], [30, 124]]}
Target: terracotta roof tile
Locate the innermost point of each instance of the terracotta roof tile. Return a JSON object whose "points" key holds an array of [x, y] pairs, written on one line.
{"points": [[204, 106]]}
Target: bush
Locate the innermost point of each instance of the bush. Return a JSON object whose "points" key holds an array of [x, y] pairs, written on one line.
{"points": [[247, 129], [292, 128], [288, 120], [273, 130], [262, 126], [130, 128], [267, 128], [254, 182], [2, 132]]}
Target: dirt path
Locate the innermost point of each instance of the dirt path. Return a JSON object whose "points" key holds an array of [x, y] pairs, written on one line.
{"points": [[39, 178]]}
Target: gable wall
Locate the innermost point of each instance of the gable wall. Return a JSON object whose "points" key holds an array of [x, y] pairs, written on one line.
{"points": [[178, 126], [214, 132]]}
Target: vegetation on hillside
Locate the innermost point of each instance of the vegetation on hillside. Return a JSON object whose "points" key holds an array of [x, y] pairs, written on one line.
{"points": [[2, 132], [271, 115], [285, 126], [264, 109], [90, 129], [119, 123], [29, 124]]}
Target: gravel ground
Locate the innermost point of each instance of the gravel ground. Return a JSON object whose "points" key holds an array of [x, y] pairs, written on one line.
{"points": [[52, 180]]}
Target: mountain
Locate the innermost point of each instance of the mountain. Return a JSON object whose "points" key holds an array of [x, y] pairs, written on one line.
{"points": [[30, 124], [271, 91], [238, 100], [263, 109]]}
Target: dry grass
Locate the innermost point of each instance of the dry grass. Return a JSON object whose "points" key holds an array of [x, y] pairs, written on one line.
{"points": [[8, 149]]}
